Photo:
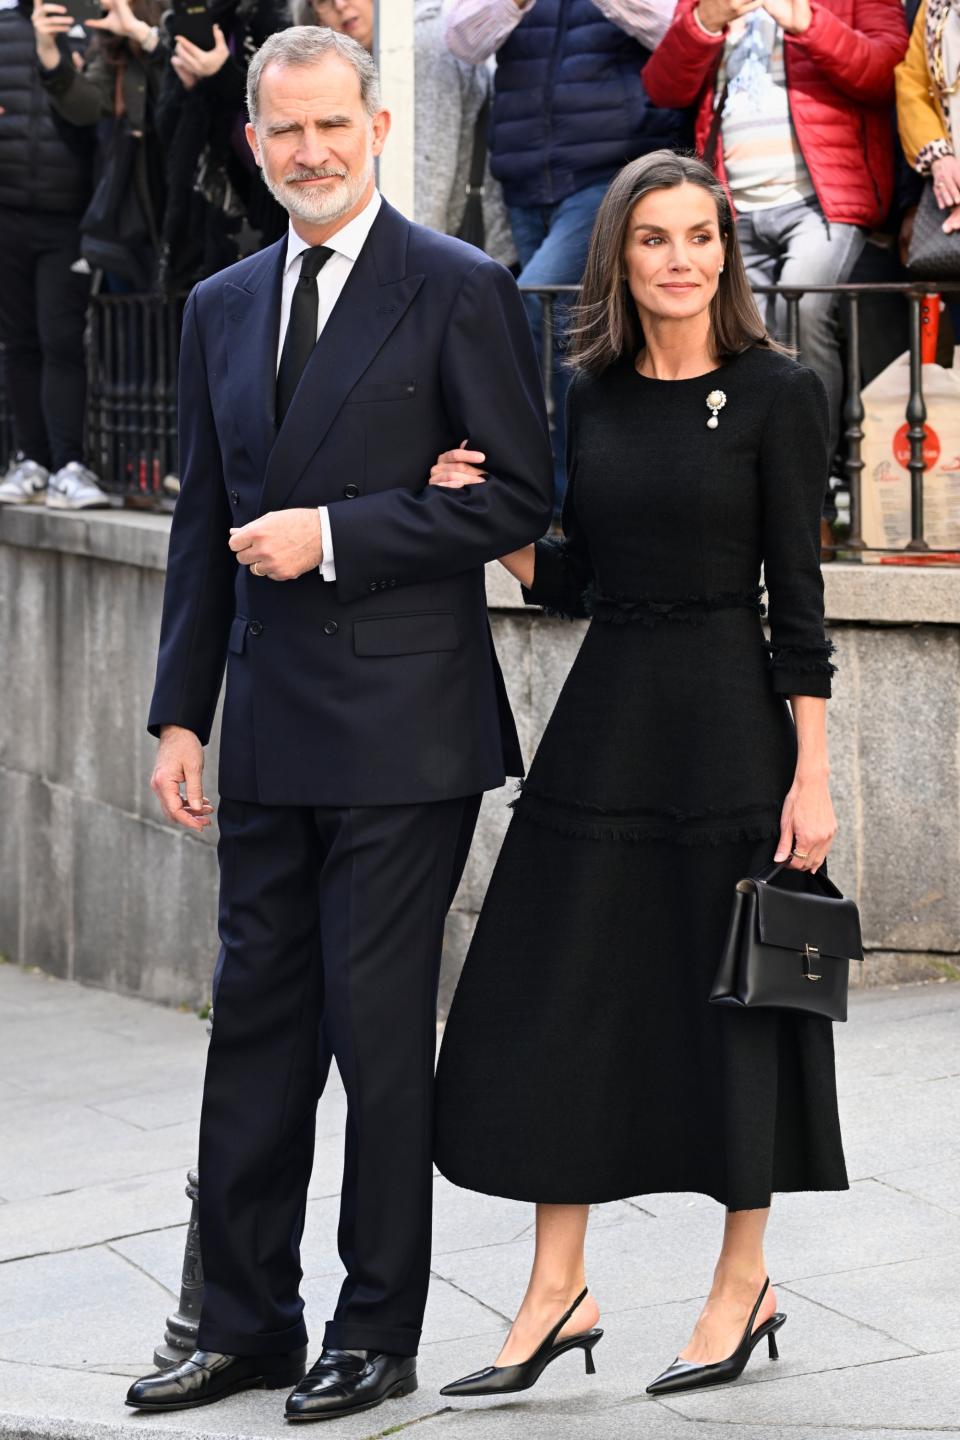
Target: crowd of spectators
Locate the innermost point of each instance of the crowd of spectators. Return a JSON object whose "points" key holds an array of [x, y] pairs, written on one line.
{"points": [[123, 160]]}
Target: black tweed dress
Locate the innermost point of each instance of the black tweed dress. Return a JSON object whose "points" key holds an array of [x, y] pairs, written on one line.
{"points": [[581, 1061]]}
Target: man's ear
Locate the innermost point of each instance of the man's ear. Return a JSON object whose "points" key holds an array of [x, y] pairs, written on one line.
{"points": [[253, 142], [381, 129]]}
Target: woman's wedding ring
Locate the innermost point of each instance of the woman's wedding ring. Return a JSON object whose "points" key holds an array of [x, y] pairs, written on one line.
{"points": [[800, 854]]}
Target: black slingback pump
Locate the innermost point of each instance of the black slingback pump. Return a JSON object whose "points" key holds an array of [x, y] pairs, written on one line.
{"points": [[686, 1375], [505, 1379]]}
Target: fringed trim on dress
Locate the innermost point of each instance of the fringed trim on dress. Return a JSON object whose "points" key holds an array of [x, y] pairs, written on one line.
{"points": [[584, 820], [802, 659], [693, 609]]}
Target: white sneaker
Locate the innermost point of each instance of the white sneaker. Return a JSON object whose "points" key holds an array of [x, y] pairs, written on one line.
{"points": [[74, 487], [24, 484]]}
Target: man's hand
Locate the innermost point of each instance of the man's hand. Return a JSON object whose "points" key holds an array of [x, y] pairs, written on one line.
{"points": [[716, 15], [793, 16], [180, 762], [280, 545]]}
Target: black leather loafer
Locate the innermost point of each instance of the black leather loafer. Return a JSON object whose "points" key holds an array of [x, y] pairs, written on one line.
{"points": [[207, 1377], [344, 1381]]}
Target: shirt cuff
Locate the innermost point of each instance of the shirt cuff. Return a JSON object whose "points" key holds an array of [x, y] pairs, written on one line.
{"points": [[327, 568]]}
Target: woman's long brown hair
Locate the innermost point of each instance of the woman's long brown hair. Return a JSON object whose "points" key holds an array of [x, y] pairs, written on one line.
{"points": [[604, 323]]}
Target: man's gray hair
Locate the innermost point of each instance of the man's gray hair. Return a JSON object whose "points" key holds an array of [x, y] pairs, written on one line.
{"points": [[305, 45]]}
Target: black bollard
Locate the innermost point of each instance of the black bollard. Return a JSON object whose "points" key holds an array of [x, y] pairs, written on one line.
{"points": [[180, 1336]]}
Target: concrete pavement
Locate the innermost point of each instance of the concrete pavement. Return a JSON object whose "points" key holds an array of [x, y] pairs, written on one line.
{"points": [[98, 1111]]}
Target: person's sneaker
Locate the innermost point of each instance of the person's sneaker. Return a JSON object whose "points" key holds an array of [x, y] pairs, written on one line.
{"points": [[24, 484], [74, 487]]}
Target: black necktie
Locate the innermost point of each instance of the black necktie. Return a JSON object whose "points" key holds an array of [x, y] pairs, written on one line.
{"points": [[301, 334]]}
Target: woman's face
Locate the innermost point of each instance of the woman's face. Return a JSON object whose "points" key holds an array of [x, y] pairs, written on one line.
{"points": [[673, 252], [350, 17]]}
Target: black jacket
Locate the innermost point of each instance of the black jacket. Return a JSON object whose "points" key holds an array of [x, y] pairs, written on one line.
{"points": [[46, 164], [383, 687]]}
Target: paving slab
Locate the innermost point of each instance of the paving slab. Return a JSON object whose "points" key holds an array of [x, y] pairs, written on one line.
{"points": [[99, 1101]]}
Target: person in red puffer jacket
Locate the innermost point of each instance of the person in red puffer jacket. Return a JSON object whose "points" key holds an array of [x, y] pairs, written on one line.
{"points": [[794, 112]]}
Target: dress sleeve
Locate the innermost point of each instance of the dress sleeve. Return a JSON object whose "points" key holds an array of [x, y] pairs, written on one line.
{"points": [[794, 467], [563, 569]]}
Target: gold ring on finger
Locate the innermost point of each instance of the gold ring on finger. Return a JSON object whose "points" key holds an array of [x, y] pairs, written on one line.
{"points": [[257, 568]]}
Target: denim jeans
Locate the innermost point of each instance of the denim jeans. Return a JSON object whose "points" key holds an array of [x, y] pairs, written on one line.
{"points": [[797, 245], [551, 242]]}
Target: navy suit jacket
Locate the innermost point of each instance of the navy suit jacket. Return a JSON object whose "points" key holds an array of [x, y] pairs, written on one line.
{"points": [[383, 687]]}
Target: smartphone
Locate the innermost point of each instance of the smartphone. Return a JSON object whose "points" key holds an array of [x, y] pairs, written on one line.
{"points": [[82, 10], [192, 20]]}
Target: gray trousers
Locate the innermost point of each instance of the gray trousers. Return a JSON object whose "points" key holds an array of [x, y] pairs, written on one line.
{"points": [[797, 245]]}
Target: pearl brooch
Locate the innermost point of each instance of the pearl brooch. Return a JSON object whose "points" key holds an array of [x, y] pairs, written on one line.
{"points": [[715, 402]]}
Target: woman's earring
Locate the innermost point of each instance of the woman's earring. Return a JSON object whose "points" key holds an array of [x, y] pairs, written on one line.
{"points": [[720, 272]]}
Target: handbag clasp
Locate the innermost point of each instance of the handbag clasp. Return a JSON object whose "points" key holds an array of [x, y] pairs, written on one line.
{"points": [[810, 954]]}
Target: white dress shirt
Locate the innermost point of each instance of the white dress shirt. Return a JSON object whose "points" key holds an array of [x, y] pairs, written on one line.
{"points": [[346, 245]]}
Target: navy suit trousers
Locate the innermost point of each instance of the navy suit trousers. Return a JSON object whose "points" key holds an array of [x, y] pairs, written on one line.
{"points": [[331, 926]]}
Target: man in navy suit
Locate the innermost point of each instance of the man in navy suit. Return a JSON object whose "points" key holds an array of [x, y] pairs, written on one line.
{"points": [[364, 714]]}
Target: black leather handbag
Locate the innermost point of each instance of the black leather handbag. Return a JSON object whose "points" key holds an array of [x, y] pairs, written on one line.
{"points": [[933, 255], [789, 949]]}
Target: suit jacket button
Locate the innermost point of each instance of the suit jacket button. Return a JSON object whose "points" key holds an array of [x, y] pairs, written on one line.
{"points": [[255, 627], [330, 627], [391, 583], [235, 496], [373, 585], [351, 491]]}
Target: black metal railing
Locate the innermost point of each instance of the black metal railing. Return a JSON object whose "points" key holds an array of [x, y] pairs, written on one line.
{"points": [[915, 410], [133, 349]]}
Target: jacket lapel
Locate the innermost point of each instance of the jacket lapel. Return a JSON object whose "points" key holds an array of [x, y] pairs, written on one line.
{"points": [[371, 304], [252, 321]]}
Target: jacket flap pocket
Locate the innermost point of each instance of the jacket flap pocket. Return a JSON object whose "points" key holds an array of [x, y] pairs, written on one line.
{"points": [[791, 920], [405, 634], [382, 390], [238, 635]]}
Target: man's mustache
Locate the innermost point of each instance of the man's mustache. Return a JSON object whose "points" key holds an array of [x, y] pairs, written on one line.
{"points": [[301, 173]]}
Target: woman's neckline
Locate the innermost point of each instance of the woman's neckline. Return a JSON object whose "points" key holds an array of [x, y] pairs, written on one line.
{"points": [[682, 379]]}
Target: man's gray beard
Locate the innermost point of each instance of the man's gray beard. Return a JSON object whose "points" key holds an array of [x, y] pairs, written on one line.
{"points": [[317, 207]]}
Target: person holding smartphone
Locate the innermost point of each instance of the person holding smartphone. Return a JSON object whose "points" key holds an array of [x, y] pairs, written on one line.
{"points": [[45, 186], [120, 85]]}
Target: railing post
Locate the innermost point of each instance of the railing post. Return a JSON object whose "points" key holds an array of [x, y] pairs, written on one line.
{"points": [[916, 434], [180, 1334], [853, 431], [792, 297]]}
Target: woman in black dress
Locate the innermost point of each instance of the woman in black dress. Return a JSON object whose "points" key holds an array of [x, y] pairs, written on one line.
{"points": [[582, 1062]]}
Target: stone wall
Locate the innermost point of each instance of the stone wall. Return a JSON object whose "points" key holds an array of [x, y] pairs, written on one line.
{"points": [[95, 888]]}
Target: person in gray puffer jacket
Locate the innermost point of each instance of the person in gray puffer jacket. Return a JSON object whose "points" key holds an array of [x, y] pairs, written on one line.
{"points": [[449, 96], [46, 175]]}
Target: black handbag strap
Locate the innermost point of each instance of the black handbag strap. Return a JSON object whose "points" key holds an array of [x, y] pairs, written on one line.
{"points": [[826, 884]]}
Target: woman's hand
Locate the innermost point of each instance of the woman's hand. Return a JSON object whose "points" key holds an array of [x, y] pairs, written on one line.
{"points": [[49, 21], [945, 174], [120, 20], [456, 468], [952, 222], [183, 73], [807, 824], [716, 15], [200, 64]]}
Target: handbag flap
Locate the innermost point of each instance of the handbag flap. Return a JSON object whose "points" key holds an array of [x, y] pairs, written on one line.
{"points": [[791, 919]]}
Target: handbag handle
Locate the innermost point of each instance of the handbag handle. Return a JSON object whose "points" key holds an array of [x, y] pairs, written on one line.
{"points": [[826, 884]]}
